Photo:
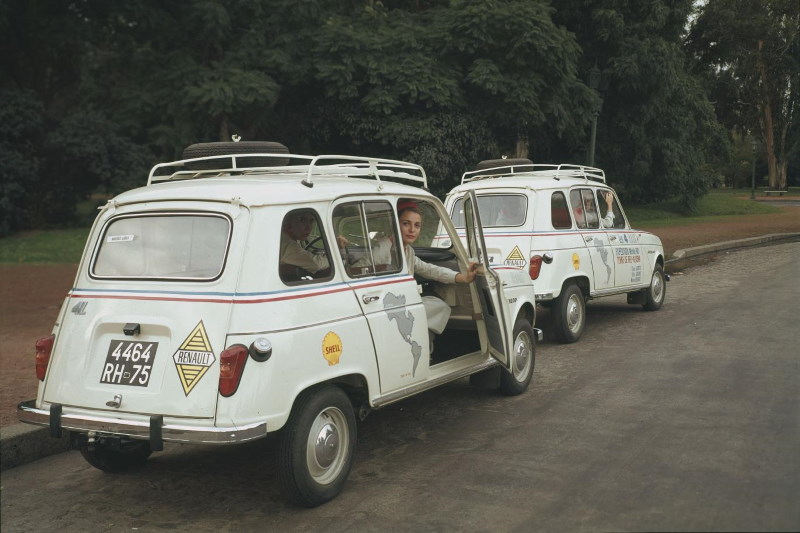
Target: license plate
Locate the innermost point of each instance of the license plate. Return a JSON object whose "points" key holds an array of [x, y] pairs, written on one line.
{"points": [[129, 363]]}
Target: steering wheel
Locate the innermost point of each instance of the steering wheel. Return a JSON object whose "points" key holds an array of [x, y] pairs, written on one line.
{"points": [[312, 242]]}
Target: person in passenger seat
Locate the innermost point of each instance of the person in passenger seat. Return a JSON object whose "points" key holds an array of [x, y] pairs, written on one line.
{"points": [[437, 311], [590, 212], [608, 220]]}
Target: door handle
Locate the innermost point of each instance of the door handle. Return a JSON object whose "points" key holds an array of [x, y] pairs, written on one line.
{"points": [[369, 299], [589, 239], [612, 238]]}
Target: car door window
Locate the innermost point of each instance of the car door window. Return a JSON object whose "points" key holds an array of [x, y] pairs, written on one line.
{"points": [[304, 255], [584, 209], [370, 233], [619, 218]]}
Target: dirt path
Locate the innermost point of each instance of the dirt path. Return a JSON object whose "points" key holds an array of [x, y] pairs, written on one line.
{"points": [[32, 296]]}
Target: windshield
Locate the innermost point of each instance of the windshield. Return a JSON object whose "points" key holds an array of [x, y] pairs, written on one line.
{"points": [[181, 246]]}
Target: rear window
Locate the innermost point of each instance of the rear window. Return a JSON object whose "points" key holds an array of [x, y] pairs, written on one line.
{"points": [[179, 246], [495, 210]]}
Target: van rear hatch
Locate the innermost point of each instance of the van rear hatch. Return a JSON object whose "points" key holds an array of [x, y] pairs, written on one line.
{"points": [[146, 322]]}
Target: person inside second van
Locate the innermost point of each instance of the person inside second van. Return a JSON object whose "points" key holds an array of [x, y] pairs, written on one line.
{"points": [[590, 212]]}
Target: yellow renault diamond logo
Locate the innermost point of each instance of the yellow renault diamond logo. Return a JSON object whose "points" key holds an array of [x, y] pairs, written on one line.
{"points": [[193, 358], [515, 258]]}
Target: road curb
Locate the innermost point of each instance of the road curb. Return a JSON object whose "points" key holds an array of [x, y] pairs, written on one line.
{"points": [[695, 251], [23, 443]]}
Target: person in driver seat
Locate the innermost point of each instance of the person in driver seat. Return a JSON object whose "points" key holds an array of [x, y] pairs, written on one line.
{"points": [[295, 230]]}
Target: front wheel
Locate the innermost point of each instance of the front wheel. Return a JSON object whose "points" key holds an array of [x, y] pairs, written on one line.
{"points": [[523, 359], [114, 459], [655, 293], [315, 449], [569, 314]]}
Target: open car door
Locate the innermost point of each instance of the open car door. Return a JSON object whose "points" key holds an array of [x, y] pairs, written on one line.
{"points": [[490, 290]]}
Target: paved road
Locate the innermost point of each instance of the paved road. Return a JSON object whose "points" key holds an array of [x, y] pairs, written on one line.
{"points": [[684, 419]]}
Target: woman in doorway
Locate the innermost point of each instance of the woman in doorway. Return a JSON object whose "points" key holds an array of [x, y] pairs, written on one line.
{"points": [[437, 311]]}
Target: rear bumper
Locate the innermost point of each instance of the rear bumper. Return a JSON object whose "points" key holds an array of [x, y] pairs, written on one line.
{"points": [[153, 429]]}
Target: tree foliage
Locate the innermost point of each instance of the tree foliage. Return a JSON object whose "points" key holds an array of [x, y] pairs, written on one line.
{"points": [[104, 89], [751, 53], [656, 129]]}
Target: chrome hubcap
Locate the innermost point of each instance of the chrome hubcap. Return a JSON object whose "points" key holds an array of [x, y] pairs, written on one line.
{"points": [[327, 445], [657, 287], [574, 313], [522, 355]]}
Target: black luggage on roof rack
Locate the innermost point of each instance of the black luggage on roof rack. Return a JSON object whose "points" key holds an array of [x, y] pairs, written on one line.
{"points": [[241, 147]]}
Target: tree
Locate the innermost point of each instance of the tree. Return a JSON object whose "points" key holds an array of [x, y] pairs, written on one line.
{"points": [[177, 72], [445, 83], [21, 134], [58, 145], [752, 49], [657, 128]]}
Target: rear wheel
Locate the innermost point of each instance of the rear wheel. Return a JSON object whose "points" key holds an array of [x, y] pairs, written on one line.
{"points": [[523, 360], [315, 450], [569, 314], [111, 458], [655, 293]]}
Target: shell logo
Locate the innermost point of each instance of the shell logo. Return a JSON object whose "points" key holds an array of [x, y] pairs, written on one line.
{"points": [[576, 261], [332, 348]]}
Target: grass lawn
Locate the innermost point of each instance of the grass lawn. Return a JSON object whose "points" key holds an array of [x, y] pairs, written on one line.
{"points": [[720, 202], [44, 246]]}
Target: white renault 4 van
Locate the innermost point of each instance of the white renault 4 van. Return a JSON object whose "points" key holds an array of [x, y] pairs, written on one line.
{"points": [[564, 227], [185, 324]]}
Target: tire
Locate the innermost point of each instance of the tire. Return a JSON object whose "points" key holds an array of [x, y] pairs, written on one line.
{"points": [[655, 294], [494, 163], [569, 314], [112, 461], [523, 354], [242, 147], [311, 474]]}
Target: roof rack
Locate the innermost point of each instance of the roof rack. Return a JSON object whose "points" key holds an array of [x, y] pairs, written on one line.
{"points": [[304, 166], [563, 170]]}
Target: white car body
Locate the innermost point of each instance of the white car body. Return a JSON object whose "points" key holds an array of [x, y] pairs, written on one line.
{"points": [[545, 238], [213, 283]]}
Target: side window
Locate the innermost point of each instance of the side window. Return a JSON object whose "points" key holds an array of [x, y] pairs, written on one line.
{"points": [[584, 208], [304, 254], [577, 208], [619, 219], [371, 234], [559, 211]]}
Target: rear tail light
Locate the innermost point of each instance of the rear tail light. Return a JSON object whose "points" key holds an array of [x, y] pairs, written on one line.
{"points": [[535, 266], [231, 366], [44, 347]]}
